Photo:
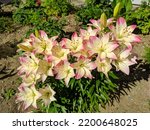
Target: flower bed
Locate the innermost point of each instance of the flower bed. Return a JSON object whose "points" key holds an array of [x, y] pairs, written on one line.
{"points": [[74, 75]]}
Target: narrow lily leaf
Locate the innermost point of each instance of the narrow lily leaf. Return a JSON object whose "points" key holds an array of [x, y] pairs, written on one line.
{"points": [[92, 89], [112, 75], [97, 84]]}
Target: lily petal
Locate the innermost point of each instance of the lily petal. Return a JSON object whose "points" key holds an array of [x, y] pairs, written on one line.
{"points": [[111, 55], [124, 68], [131, 28], [88, 74], [43, 34], [80, 73], [125, 54]]}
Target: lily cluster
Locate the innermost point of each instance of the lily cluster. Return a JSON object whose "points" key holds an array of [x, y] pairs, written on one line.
{"points": [[105, 44]]}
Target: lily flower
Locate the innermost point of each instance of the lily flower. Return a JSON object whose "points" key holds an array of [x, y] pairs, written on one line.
{"points": [[29, 80], [26, 46], [103, 47], [85, 52], [83, 68], [97, 23], [103, 65], [59, 54], [47, 95], [74, 45], [42, 44], [45, 69], [85, 34], [123, 33], [122, 63], [64, 71], [28, 96], [29, 64]]}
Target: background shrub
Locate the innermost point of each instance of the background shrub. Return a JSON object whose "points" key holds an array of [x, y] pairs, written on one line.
{"points": [[140, 17], [93, 10]]}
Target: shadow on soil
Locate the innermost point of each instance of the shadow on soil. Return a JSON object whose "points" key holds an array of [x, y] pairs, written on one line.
{"points": [[8, 49], [138, 72]]}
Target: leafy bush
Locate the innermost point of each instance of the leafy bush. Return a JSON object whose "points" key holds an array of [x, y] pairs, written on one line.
{"points": [[28, 16], [43, 16], [30, 12], [140, 17], [57, 7], [51, 26], [96, 2], [93, 10]]}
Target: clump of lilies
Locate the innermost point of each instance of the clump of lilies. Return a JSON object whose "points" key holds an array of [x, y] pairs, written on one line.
{"points": [[105, 44]]}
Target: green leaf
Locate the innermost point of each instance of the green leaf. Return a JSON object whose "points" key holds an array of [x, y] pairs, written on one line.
{"points": [[112, 75], [72, 83], [102, 76], [81, 86], [128, 5], [91, 90], [104, 95]]}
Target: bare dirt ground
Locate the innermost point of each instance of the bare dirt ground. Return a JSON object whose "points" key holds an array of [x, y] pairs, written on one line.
{"points": [[8, 64], [137, 99]]}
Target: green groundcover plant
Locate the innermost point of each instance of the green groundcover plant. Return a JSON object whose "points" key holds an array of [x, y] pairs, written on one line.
{"points": [[75, 75], [93, 10], [43, 15], [140, 17]]}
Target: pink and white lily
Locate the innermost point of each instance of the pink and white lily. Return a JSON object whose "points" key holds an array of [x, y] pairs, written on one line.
{"points": [[74, 45], [83, 68], [47, 95], [64, 71], [28, 80], [59, 54], [103, 65], [97, 23], [103, 47], [42, 44], [123, 33], [45, 69], [28, 96], [29, 64], [26, 46], [85, 34], [122, 63]]}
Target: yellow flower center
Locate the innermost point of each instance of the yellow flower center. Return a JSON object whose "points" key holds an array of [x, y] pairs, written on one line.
{"points": [[82, 65], [43, 44], [48, 94]]}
